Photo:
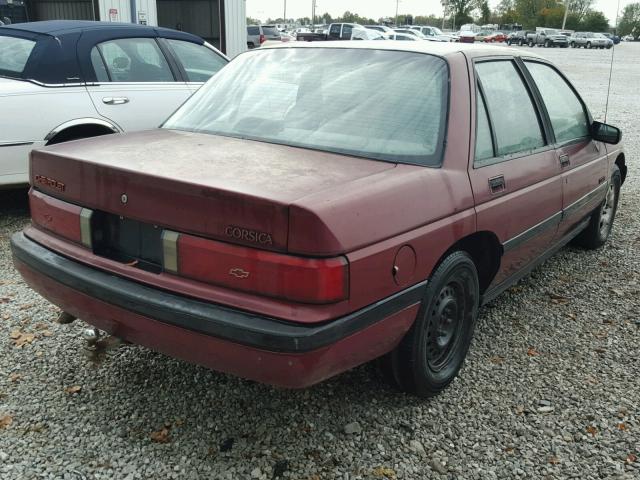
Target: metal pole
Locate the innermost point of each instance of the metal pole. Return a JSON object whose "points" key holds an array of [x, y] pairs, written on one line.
{"points": [[397, 4], [444, 13], [285, 13], [566, 12]]}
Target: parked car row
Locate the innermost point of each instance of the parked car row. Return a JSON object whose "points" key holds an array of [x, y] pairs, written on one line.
{"points": [[286, 225]]}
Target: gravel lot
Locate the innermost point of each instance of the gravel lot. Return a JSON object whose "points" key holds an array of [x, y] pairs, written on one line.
{"points": [[550, 389]]}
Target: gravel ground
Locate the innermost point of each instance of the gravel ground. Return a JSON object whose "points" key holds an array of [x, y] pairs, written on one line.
{"points": [[550, 388]]}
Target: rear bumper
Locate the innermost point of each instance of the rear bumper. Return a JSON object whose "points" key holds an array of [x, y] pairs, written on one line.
{"points": [[230, 340]]}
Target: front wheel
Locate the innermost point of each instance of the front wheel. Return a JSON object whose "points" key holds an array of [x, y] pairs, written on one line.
{"points": [[588, 45], [433, 351], [599, 229], [520, 43], [547, 44], [531, 43]]}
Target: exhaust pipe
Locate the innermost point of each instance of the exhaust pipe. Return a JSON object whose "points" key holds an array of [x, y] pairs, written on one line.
{"points": [[65, 318]]}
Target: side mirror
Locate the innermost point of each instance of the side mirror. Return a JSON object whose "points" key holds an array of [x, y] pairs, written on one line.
{"points": [[606, 133]]}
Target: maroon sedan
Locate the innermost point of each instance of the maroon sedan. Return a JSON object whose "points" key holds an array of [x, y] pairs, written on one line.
{"points": [[316, 206]]}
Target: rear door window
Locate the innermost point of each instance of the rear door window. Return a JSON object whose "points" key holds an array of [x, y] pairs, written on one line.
{"points": [[484, 141], [134, 60], [199, 62], [511, 110], [566, 111], [270, 31], [334, 32], [14, 54], [347, 30]]}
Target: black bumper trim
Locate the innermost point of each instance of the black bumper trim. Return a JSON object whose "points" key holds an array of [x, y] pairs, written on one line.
{"points": [[226, 323]]}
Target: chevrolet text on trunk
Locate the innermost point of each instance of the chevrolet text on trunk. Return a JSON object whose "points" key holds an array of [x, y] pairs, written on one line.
{"points": [[317, 206]]}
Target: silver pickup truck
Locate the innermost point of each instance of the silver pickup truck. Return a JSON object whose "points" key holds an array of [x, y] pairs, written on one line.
{"points": [[547, 37]]}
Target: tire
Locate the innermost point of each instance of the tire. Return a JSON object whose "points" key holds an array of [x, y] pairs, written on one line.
{"points": [[608, 47], [588, 45], [599, 229], [433, 351], [520, 43], [573, 44], [547, 44], [531, 43]]}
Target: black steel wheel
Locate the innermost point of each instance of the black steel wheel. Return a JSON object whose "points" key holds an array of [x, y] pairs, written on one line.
{"points": [[433, 351]]}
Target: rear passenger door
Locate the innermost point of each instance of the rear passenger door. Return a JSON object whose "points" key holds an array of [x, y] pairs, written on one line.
{"points": [[583, 161], [515, 175], [136, 86]]}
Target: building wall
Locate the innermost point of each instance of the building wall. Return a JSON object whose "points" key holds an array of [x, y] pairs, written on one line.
{"points": [[236, 26], [148, 7], [121, 7]]}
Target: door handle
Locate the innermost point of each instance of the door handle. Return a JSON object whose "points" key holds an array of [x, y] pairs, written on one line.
{"points": [[564, 161], [115, 100], [497, 184]]}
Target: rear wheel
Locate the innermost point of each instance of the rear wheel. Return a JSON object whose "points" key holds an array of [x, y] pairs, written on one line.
{"points": [[547, 44], [588, 45], [433, 351], [520, 43], [573, 44], [597, 232], [531, 43]]}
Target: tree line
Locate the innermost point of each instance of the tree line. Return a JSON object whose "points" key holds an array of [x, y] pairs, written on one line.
{"points": [[528, 13]]}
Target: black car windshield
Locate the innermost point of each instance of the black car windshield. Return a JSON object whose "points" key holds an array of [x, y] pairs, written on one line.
{"points": [[386, 105], [14, 53]]}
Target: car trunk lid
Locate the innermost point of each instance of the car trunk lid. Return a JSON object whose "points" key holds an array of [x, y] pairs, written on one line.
{"points": [[234, 190]]}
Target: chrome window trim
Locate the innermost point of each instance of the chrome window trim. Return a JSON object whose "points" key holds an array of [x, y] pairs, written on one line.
{"points": [[15, 144]]}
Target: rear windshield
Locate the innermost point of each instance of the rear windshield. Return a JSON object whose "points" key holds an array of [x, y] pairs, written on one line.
{"points": [[253, 30], [270, 31], [386, 105], [14, 53]]}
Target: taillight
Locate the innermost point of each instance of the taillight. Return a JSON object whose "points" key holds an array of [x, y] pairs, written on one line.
{"points": [[64, 219], [298, 279], [262, 39]]}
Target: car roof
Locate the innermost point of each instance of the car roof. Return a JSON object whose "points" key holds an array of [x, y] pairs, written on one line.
{"points": [[60, 27], [441, 49]]}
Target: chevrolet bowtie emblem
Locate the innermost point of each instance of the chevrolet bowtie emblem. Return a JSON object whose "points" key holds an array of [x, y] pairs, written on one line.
{"points": [[238, 273]]}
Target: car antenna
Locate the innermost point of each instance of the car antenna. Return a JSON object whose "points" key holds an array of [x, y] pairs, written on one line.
{"points": [[613, 52]]}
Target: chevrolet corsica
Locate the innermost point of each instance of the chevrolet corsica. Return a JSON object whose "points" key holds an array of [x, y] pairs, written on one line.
{"points": [[317, 206]]}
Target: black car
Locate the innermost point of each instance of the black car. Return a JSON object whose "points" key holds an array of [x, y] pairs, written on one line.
{"points": [[518, 38]]}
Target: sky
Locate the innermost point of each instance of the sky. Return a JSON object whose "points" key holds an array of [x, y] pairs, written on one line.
{"points": [[263, 9]]}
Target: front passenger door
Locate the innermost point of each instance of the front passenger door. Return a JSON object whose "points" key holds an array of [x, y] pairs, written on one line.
{"points": [[582, 160], [136, 88]]}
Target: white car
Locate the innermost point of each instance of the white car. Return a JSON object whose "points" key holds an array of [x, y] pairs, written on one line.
{"points": [[434, 33], [65, 80]]}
